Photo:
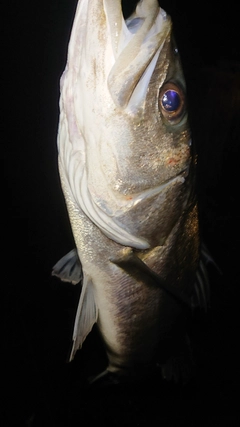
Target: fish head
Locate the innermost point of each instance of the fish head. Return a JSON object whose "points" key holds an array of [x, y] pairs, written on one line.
{"points": [[124, 139]]}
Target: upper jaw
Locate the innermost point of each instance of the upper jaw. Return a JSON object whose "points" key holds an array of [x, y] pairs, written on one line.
{"points": [[136, 44]]}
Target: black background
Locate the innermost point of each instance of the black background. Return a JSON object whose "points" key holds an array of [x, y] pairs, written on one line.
{"points": [[41, 388]]}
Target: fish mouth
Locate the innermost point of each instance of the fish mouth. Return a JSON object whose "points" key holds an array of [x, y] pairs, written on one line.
{"points": [[136, 44]]}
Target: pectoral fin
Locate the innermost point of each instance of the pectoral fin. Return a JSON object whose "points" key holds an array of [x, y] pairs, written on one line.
{"points": [[201, 291], [134, 266]]}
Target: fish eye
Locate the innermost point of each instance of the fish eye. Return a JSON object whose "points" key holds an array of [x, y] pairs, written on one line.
{"points": [[172, 102]]}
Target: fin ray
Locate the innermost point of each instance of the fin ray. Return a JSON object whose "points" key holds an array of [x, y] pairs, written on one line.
{"points": [[201, 291], [68, 268], [86, 315]]}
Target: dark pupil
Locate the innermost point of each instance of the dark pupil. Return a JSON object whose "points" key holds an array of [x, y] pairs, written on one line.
{"points": [[171, 100]]}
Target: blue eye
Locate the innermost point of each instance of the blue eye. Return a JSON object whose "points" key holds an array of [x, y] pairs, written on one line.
{"points": [[172, 102]]}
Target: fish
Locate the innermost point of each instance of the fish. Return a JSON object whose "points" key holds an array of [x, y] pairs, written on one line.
{"points": [[127, 167]]}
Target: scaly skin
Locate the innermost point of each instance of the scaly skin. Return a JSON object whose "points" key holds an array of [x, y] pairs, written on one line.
{"points": [[127, 173]]}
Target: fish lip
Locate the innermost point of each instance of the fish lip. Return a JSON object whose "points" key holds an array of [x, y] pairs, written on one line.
{"points": [[149, 192]]}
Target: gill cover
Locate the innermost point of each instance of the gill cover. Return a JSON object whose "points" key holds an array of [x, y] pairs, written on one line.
{"points": [[109, 66]]}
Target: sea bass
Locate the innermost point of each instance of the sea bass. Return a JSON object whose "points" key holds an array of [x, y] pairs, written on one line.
{"points": [[127, 170]]}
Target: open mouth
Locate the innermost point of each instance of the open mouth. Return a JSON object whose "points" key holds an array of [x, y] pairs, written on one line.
{"points": [[136, 44]]}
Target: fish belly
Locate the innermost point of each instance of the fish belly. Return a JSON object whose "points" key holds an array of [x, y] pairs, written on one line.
{"points": [[134, 315]]}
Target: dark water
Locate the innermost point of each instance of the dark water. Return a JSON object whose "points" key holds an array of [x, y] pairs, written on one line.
{"points": [[41, 389]]}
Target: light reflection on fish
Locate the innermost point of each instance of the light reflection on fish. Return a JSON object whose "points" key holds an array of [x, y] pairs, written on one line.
{"points": [[128, 175]]}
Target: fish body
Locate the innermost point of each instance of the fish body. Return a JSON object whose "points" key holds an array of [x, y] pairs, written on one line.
{"points": [[127, 171]]}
